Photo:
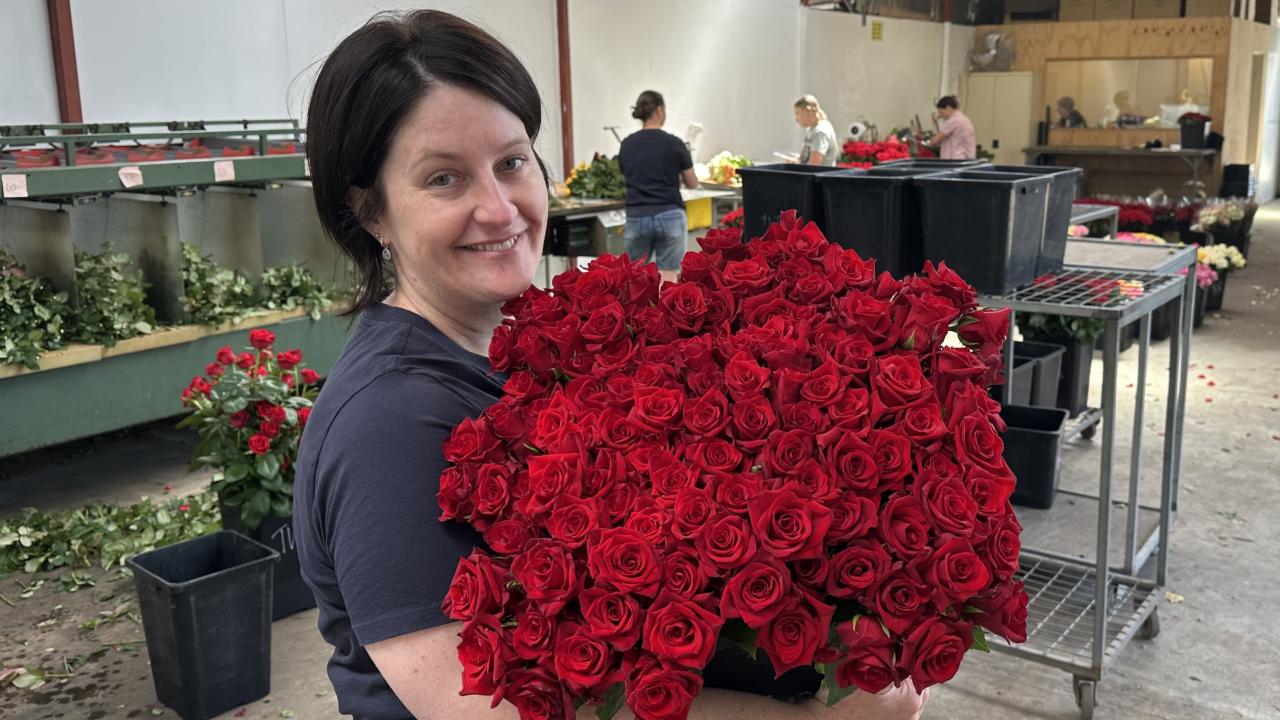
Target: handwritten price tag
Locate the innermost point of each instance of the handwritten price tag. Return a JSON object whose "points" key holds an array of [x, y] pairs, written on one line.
{"points": [[224, 171], [14, 186], [130, 176]]}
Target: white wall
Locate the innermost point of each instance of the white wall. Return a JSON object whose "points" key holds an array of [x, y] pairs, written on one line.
{"points": [[888, 81], [731, 65], [28, 93], [1270, 150]]}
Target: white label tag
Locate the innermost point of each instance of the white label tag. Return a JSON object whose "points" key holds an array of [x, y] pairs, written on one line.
{"points": [[130, 176], [14, 186], [224, 171], [306, 167]]}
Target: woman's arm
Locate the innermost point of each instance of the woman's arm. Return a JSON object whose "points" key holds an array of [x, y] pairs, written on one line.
{"points": [[690, 179], [815, 158], [422, 668]]}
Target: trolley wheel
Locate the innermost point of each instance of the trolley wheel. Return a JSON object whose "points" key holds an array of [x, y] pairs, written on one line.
{"points": [[1086, 696], [1089, 432], [1151, 626]]}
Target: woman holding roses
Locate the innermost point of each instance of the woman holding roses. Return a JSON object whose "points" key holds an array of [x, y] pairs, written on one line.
{"points": [[420, 141]]}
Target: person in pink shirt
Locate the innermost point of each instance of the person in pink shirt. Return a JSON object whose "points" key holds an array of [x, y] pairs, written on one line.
{"points": [[955, 139]]}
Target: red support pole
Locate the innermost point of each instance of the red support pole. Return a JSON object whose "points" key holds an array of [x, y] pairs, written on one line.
{"points": [[566, 85], [64, 61]]}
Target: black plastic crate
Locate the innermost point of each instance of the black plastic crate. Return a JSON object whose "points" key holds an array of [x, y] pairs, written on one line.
{"points": [[1047, 361], [987, 226], [768, 190], [876, 213], [1020, 381], [1057, 222], [1033, 449], [206, 612]]}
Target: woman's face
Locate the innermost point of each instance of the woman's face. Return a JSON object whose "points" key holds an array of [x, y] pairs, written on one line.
{"points": [[465, 204], [805, 117]]}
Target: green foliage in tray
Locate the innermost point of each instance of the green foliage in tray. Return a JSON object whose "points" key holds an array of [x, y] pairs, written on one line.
{"points": [[293, 286], [213, 294], [32, 315], [112, 299]]}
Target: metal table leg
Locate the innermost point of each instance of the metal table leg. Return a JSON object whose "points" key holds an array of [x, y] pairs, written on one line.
{"points": [[1110, 359], [1135, 452]]}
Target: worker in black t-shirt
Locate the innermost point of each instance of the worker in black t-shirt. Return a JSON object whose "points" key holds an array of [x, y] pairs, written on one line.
{"points": [[655, 163]]}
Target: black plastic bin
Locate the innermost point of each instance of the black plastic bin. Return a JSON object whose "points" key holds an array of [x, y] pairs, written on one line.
{"points": [[1194, 135], [987, 226], [1033, 449], [1047, 359], [876, 213], [934, 164], [206, 612], [1021, 380], [1057, 222], [768, 190], [289, 592]]}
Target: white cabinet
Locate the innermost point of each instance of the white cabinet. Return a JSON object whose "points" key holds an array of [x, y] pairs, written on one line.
{"points": [[1000, 106]]}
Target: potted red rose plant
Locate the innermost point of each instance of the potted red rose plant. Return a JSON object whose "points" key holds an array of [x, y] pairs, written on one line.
{"points": [[250, 409]]}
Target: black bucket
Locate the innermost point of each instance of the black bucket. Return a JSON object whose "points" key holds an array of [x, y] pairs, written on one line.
{"points": [[769, 190], [206, 612], [1033, 449], [290, 593], [1057, 223], [877, 214], [1047, 360]]}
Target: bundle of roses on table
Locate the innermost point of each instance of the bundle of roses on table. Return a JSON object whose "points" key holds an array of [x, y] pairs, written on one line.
{"points": [[856, 154], [777, 450]]}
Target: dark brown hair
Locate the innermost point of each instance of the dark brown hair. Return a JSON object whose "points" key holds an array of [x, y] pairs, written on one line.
{"points": [[364, 91], [647, 104], [948, 102]]}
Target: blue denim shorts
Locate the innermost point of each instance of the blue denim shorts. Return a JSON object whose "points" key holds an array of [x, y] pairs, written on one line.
{"points": [[661, 238]]}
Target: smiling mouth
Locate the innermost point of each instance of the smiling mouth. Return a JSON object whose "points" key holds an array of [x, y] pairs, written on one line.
{"points": [[495, 247]]}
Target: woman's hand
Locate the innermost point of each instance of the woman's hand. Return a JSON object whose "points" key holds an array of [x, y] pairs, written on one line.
{"points": [[900, 703]]}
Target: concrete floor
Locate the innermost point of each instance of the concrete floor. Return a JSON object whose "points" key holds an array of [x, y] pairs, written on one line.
{"points": [[1218, 655]]}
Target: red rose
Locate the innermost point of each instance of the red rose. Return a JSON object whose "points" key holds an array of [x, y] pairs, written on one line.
{"points": [[613, 617], [924, 320], [583, 663], [453, 494], [757, 592], [892, 453], [805, 416], [622, 559], [304, 414], [796, 633], [923, 425], [261, 338], [707, 415], [852, 516], [259, 444], [693, 508], [946, 283], [478, 588], [262, 371], [246, 361], [753, 418], [270, 412], [686, 304], [905, 526], [955, 571], [550, 477], [270, 429], [746, 277], [484, 656], [493, 489], [537, 695], [239, 419], [848, 267], [744, 376], [547, 573], [727, 542], [970, 399], [868, 660], [850, 460], [226, 355], [812, 572], [931, 654], [856, 569], [713, 455], [789, 526], [651, 522], [1004, 611], [787, 451], [656, 409], [572, 519], [681, 632], [1002, 546], [978, 444], [506, 420], [508, 537], [289, 359], [735, 491], [213, 370], [309, 376], [682, 574], [952, 365], [990, 491], [852, 411], [658, 692], [901, 599], [985, 328], [949, 505], [604, 324], [899, 381], [533, 635]]}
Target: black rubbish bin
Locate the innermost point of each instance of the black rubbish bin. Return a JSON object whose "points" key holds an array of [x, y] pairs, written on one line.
{"points": [[1057, 223], [877, 214], [769, 190], [289, 592], [1033, 449], [987, 226], [206, 613], [1047, 360]]}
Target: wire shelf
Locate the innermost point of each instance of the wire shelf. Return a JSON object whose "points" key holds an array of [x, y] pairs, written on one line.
{"points": [[1061, 612], [1093, 292]]}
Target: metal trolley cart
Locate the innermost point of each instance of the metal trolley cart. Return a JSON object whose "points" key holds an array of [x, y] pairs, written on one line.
{"points": [[1081, 615]]}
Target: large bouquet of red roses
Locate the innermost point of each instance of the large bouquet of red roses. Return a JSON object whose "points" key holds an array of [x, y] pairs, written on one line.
{"points": [[855, 154], [778, 450]]}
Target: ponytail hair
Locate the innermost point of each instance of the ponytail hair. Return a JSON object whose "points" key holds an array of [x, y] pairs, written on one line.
{"points": [[809, 102], [647, 104]]}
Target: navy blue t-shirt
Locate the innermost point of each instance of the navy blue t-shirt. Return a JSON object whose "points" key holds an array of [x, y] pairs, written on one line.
{"points": [[651, 161], [365, 517]]}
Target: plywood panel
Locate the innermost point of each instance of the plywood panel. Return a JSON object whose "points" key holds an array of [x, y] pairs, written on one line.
{"points": [[1110, 137]]}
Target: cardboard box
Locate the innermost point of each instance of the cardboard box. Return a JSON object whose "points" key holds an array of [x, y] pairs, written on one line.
{"points": [[1113, 9], [1072, 10], [1208, 8], [1157, 8]]}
